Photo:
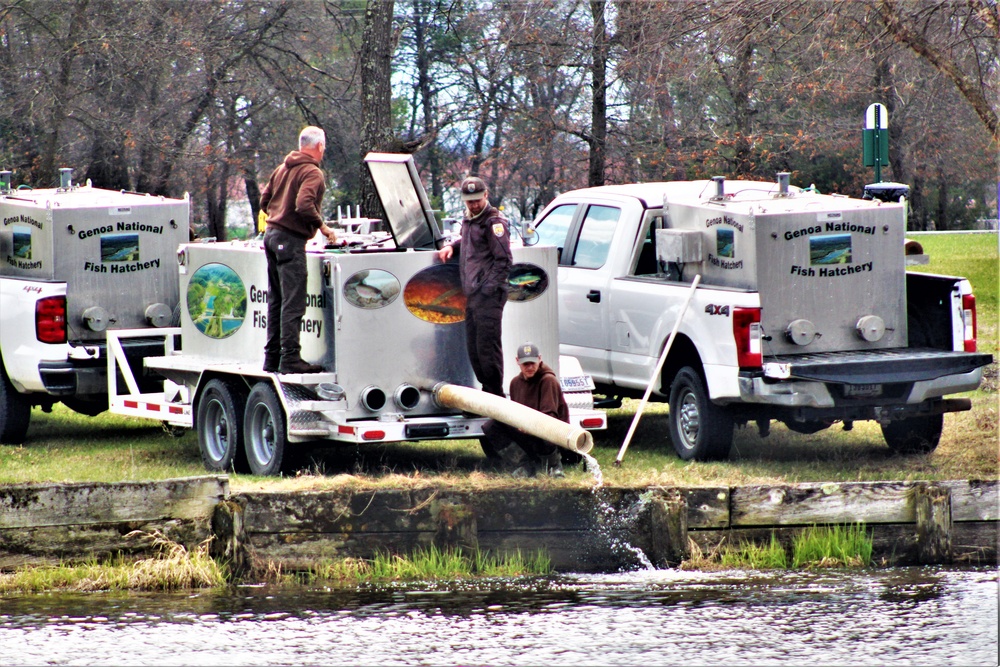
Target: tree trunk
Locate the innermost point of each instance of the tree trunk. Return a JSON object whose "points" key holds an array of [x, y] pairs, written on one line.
{"points": [[376, 95], [599, 107], [253, 194], [420, 12], [941, 224]]}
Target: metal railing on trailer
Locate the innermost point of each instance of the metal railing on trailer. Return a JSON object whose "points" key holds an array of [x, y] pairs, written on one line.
{"points": [[172, 405]]}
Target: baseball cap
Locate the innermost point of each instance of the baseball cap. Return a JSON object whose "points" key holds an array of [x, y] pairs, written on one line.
{"points": [[473, 188], [527, 352]]}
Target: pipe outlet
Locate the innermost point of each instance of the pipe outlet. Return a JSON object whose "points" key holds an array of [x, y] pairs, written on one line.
{"points": [[406, 396], [372, 398]]}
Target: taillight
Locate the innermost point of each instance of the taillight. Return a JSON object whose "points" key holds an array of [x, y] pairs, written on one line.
{"points": [[50, 319], [747, 332], [969, 321]]}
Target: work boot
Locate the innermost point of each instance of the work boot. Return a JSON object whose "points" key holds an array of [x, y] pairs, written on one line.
{"points": [[271, 364], [299, 367], [553, 464], [516, 461]]}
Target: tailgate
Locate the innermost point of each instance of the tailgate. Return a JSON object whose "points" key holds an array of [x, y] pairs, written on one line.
{"points": [[874, 366]]}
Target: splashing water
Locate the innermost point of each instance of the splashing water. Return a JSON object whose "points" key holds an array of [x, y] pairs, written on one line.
{"points": [[611, 523]]}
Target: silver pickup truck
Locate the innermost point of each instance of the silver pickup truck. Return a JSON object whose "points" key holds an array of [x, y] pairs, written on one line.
{"points": [[804, 312]]}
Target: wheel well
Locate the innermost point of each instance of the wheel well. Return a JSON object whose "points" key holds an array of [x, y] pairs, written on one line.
{"points": [[208, 376], [682, 353]]}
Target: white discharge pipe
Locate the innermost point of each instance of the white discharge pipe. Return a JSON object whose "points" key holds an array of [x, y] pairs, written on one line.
{"points": [[519, 416]]}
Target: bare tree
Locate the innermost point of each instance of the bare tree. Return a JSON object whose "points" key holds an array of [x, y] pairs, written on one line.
{"points": [[375, 61], [960, 39]]}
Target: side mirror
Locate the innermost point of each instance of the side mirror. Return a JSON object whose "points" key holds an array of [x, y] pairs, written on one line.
{"points": [[528, 234]]}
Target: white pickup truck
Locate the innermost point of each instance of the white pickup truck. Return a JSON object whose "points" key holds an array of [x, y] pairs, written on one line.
{"points": [[804, 313], [76, 261]]}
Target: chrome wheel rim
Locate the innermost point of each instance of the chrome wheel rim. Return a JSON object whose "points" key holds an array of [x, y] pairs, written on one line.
{"points": [[689, 420]]}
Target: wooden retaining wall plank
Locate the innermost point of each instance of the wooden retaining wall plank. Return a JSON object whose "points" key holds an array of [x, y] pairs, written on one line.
{"points": [[829, 503], [974, 500], [567, 550], [52, 545], [37, 505], [708, 507], [849, 502], [390, 511]]}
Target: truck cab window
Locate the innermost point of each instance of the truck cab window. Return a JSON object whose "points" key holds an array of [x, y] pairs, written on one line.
{"points": [[645, 264], [553, 228], [596, 232]]}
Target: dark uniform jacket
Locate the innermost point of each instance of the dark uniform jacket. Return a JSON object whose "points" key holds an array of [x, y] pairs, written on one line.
{"points": [[293, 195], [542, 392], [484, 256]]}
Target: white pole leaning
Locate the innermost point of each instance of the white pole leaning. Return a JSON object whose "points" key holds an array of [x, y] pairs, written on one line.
{"points": [[656, 373]]}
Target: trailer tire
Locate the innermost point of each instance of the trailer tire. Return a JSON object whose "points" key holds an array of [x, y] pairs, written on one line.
{"points": [[264, 427], [699, 429], [219, 421], [15, 412], [916, 435]]}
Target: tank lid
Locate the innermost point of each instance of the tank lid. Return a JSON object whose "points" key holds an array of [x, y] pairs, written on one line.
{"points": [[410, 216]]}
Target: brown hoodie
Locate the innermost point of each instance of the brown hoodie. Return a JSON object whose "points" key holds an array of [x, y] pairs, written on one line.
{"points": [[293, 195], [542, 392]]}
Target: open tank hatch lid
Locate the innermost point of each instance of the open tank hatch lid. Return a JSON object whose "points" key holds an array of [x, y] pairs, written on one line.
{"points": [[407, 208]]}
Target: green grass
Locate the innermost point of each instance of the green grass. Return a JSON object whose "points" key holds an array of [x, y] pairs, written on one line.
{"points": [[832, 546], [751, 556], [813, 547], [430, 564]]}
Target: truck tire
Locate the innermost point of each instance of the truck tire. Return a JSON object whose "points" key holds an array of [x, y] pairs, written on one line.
{"points": [[219, 421], [264, 428], [916, 435], [699, 429], [15, 412]]}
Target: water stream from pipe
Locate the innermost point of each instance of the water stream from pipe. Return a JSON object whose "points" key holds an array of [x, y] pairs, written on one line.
{"points": [[612, 523]]}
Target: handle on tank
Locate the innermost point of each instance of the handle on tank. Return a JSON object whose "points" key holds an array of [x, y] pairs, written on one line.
{"points": [[519, 416]]}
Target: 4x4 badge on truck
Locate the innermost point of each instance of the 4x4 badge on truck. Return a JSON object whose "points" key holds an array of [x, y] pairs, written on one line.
{"points": [[712, 309]]}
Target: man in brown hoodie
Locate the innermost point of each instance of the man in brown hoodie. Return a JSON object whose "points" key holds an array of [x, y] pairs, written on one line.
{"points": [[292, 199], [538, 388]]}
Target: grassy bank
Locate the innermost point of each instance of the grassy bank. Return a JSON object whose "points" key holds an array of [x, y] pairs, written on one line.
{"points": [[176, 568], [63, 446], [814, 547]]}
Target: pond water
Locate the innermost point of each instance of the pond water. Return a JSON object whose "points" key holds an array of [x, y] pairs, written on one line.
{"points": [[923, 616]]}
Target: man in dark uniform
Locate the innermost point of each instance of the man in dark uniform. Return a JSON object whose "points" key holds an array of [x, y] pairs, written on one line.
{"points": [[292, 200], [484, 266], [538, 388]]}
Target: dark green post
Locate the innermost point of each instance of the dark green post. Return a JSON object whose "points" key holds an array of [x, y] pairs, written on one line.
{"points": [[875, 139]]}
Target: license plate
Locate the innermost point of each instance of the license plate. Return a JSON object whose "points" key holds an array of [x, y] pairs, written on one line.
{"points": [[862, 390]]}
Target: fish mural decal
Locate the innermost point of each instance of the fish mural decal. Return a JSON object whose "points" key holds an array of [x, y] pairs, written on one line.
{"points": [[435, 295], [526, 282], [371, 289]]}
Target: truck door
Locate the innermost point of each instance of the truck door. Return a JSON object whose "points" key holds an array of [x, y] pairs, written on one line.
{"points": [[584, 232]]}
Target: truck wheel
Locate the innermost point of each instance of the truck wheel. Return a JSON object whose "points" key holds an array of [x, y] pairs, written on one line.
{"points": [[916, 435], [220, 427], [15, 412], [265, 430], [699, 429]]}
